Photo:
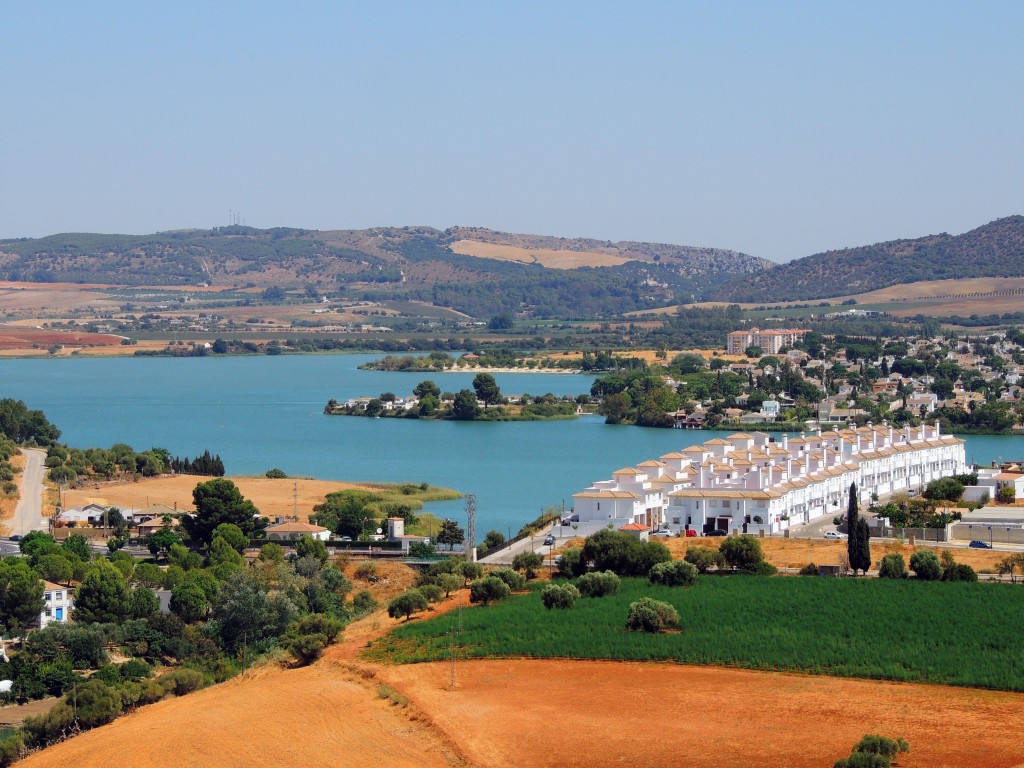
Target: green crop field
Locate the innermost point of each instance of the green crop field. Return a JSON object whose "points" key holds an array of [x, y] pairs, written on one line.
{"points": [[936, 632]]}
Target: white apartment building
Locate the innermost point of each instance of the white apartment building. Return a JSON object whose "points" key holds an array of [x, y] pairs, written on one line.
{"points": [[758, 482], [770, 341]]}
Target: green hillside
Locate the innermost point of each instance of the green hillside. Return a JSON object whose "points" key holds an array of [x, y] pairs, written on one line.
{"points": [[413, 263], [994, 250]]}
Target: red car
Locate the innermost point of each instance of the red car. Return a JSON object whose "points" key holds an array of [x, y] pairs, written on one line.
{"points": [[690, 532]]}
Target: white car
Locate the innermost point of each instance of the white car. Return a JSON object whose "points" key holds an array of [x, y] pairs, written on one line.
{"points": [[834, 535]]}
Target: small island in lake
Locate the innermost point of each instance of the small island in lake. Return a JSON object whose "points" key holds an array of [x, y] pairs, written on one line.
{"points": [[484, 402]]}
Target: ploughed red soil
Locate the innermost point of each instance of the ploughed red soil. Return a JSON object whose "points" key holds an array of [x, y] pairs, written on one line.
{"points": [[564, 714]]}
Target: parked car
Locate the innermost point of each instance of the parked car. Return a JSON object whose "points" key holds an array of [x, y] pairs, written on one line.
{"points": [[834, 535], [549, 540], [690, 533], [15, 537], [663, 534], [718, 532], [979, 544]]}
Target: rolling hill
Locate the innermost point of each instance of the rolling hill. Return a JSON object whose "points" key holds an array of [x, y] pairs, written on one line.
{"points": [[993, 250], [477, 271]]}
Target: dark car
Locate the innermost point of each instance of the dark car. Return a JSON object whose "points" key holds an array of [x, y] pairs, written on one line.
{"points": [[979, 544], [718, 532], [549, 540]]}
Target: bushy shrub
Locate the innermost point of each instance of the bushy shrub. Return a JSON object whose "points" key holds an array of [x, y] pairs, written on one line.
{"points": [[40, 730], [623, 554], [366, 570], [880, 745], [307, 637], [892, 567], [363, 602], [470, 570], [406, 604], [763, 568], [874, 751], [432, 592], [925, 565], [515, 580], [182, 681], [11, 749], [95, 703], [704, 558], [572, 563], [559, 596], [677, 573], [450, 582], [598, 584], [959, 572], [488, 590], [528, 562], [647, 615], [742, 553], [809, 570], [150, 691]]}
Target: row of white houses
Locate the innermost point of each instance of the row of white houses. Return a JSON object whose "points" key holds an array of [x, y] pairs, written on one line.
{"points": [[753, 482]]}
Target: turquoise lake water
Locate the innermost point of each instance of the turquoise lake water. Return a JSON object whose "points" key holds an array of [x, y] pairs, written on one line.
{"points": [[264, 412]]}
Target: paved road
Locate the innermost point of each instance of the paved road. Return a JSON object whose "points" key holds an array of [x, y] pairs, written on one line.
{"points": [[28, 515]]}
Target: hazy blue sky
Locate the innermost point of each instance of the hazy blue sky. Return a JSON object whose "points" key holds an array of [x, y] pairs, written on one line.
{"points": [[779, 129]]}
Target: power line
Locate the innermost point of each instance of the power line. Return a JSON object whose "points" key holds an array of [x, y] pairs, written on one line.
{"points": [[471, 527]]}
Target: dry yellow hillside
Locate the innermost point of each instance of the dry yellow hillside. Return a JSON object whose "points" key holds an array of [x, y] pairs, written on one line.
{"points": [[555, 259]]}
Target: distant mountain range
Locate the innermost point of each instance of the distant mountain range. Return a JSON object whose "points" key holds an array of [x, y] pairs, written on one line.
{"points": [[994, 250], [477, 271], [483, 272]]}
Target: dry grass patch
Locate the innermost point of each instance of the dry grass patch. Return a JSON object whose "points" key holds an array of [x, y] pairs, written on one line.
{"points": [[555, 259], [796, 553], [271, 496]]}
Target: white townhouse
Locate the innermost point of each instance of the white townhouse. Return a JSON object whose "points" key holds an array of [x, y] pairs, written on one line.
{"points": [[629, 497], [757, 482]]}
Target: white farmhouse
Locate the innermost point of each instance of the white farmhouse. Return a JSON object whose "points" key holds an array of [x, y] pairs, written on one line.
{"points": [[58, 602], [291, 531]]}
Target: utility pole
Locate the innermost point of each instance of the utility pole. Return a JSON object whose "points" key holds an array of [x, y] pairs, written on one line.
{"points": [[471, 527]]}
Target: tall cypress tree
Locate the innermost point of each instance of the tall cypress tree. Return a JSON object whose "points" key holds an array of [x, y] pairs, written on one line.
{"points": [[863, 545], [852, 531]]}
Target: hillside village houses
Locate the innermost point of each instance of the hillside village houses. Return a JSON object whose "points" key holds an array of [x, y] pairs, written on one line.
{"points": [[913, 377], [769, 341], [754, 482]]}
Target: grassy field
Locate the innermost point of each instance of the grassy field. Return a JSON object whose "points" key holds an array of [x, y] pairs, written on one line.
{"points": [[952, 633]]}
